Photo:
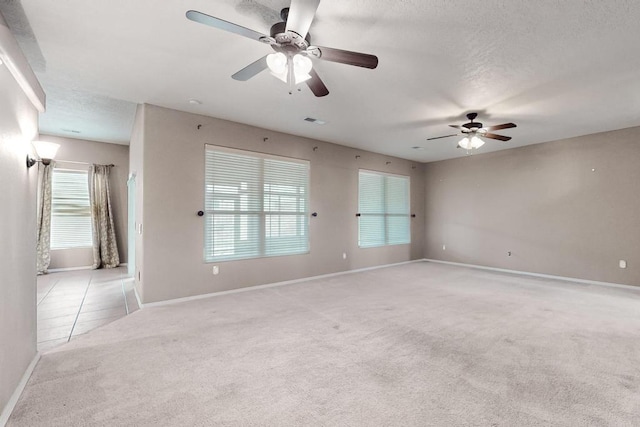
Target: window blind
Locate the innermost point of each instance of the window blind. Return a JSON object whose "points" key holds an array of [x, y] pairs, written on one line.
{"points": [[256, 205], [70, 210], [383, 204]]}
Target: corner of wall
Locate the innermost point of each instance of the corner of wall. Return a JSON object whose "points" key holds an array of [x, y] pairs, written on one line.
{"points": [[136, 168]]}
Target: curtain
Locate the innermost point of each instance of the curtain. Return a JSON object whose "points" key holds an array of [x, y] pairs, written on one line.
{"points": [[43, 231], [105, 249]]}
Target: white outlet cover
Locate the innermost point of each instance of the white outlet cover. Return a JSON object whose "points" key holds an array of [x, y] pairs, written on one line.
{"points": [[622, 263], [216, 269]]}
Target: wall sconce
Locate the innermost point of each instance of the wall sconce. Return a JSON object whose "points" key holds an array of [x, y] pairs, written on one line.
{"points": [[45, 150]]}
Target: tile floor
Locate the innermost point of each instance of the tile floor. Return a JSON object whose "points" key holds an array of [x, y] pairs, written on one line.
{"points": [[75, 302]]}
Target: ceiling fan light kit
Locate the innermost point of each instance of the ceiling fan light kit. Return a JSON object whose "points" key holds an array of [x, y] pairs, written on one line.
{"points": [[292, 70], [470, 143], [291, 42]]}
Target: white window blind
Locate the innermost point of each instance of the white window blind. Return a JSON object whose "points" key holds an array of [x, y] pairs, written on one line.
{"points": [[70, 210], [383, 205], [256, 205]]}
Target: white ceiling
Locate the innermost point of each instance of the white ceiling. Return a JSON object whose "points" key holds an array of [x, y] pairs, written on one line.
{"points": [[556, 68]]}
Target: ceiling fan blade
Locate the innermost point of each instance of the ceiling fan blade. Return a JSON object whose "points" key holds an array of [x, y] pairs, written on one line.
{"points": [[504, 126], [251, 70], [316, 85], [221, 24], [301, 14], [455, 126], [494, 136], [440, 137], [345, 57]]}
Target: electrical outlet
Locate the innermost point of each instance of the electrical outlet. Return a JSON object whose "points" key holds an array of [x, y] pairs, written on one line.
{"points": [[216, 269], [344, 255], [444, 247], [622, 263]]}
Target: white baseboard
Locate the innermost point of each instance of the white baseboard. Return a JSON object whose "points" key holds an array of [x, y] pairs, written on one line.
{"points": [[268, 285], [135, 292], [11, 404], [87, 267], [544, 276], [58, 270]]}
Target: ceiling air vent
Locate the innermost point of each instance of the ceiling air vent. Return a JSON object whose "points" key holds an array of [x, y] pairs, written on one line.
{"points": [[316, 121]]}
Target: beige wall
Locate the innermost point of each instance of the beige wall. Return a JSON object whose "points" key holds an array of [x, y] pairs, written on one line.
{"points": [[78, 150], [18, 126], [173, 156], [545, 204]]}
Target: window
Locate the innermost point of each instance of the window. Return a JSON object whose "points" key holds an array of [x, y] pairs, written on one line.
{"points": [[383, 205], [256, 205], [70, 210]]}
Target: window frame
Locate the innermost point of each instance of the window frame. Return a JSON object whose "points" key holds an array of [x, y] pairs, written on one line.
{"points": [[385, 215], [262, 213], [87, 244]]}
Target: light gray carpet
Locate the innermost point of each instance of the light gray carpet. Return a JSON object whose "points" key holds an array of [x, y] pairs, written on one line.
{"points": [[419, 344]]}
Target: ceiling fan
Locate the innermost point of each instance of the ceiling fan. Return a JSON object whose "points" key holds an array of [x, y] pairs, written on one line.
{"points": [[292, 44], [473, 131]]}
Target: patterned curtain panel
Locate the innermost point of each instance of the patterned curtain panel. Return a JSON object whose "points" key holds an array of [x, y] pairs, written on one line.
{"points": [[43, 247], [105, 249]]}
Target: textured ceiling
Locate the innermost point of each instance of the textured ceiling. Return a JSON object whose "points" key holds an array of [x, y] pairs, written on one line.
{"points": [[556, 68]]}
